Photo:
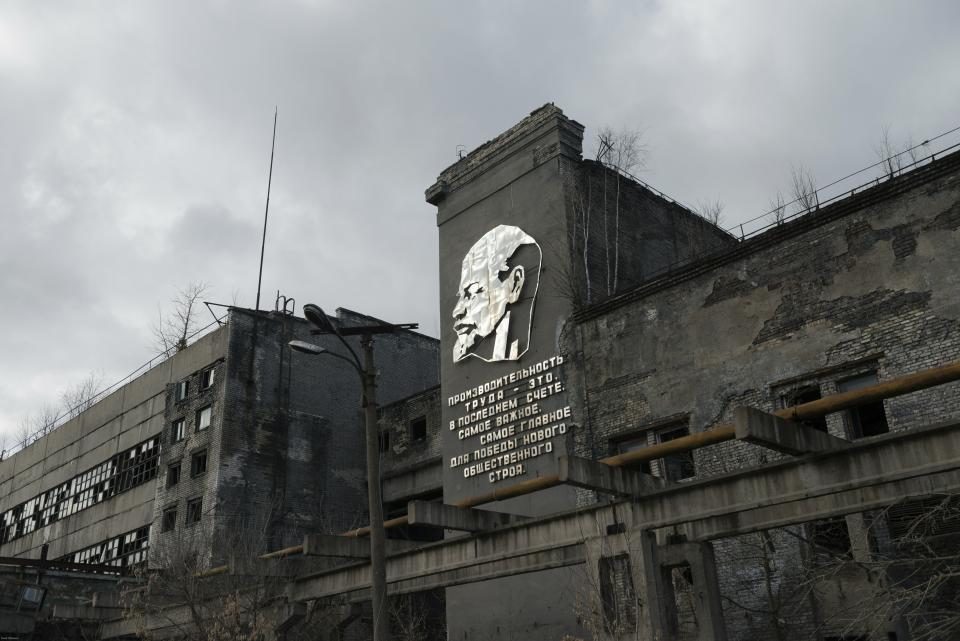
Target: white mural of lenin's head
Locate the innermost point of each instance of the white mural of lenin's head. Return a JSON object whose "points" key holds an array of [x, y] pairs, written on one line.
{"points": [[492, 290]]}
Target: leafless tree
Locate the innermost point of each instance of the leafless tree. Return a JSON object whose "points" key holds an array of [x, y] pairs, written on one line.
{"points": [[910, 573], [174, 328], [894, 158], [79, 397], [804, 188], [625, 152], [778, 209], [596, 194], [712, 212]]}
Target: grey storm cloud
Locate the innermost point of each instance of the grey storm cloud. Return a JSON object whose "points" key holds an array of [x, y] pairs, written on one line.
{"points": [[136, 139]]}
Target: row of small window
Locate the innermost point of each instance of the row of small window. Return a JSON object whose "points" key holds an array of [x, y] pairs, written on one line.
{"points": [[198, 465], [206, 382], [168, 522], [126, 550], [868, 419], [123, 471], [416, 431], [178, 427]]}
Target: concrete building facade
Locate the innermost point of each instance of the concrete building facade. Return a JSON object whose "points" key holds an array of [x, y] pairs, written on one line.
{"points": [[584, 316], [227, 434]]}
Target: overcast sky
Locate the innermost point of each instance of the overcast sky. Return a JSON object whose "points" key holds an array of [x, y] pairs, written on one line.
{"points": [[136, 139]]}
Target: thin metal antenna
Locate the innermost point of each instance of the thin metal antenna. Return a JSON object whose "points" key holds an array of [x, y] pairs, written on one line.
{"points": [[266, 211]]}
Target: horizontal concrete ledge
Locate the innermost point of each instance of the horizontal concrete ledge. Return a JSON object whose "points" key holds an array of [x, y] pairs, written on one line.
{"points": [[457, 518], [348, 547], [759, 428], [618, 481]]}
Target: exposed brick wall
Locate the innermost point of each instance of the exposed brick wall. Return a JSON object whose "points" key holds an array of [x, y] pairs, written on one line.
{"points": [[844, 291], [397, 418]]}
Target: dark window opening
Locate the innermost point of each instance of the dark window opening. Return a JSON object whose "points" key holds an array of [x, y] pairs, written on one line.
{"points": [[923, 518], [173, 474], [169, 521], [831, 538], [384, 442], [629, 445], [806, 395], [194, 510], [868, 419], [206, 378], [679, 466], [617, 593], [183, 388], [198, 463], [418, 429]]}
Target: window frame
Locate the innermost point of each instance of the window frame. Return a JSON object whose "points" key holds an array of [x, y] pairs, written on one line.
{"points": [[178, 430], [649, 435], [181, 390], [194, 510], [208, 377], [206, 408], [414, 426], [168, 524], [170, 468], [196, 456]]}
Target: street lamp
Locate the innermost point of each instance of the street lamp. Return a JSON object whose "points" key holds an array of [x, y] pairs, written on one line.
{"points": [[368, 382]]}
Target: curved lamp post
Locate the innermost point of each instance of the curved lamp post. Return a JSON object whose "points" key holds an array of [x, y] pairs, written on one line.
{"points": [[368, 381]]}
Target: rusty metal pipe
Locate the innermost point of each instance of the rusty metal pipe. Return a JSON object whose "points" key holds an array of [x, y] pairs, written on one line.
{"points": [[725, 432]]}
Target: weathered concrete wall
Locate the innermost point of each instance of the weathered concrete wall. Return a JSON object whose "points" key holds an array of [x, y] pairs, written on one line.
{"points": [[292, 438], [867, 284], [622, 233], [411, 467], [130, 415]]}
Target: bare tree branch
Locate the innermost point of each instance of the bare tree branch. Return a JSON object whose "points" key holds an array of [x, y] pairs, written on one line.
{"points": [[174, 328]]}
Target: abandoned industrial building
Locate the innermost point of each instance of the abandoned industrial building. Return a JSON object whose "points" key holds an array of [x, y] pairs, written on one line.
{"points": [[634, 425]]}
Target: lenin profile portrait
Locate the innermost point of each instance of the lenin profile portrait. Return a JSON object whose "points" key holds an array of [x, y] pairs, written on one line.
{"points": [[499, 279]]}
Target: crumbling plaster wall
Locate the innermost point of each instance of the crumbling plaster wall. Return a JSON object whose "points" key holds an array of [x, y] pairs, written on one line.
{"points": [[871, 279], [293, 437]]}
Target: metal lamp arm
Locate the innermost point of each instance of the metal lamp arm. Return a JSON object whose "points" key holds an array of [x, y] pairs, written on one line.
{"points": [[356, 360]]}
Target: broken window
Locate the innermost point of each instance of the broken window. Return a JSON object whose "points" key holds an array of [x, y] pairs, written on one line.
{"points": [[194, 510], [803, 395], [178, 429], [674, 467], [206, 378], [204, 415], [173, 474], [868, 419], [198, 463], [831, 538], [631, 444], [169, 521], [679, 466], [418, 429], [617, 594]]}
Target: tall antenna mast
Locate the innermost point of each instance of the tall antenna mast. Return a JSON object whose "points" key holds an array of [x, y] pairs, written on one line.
{"points": [[266, 211]]}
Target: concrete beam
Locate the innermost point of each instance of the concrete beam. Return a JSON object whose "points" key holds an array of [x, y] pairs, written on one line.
{"points": [[337, 546], [775, 433], [457, 518], [866, 474], [618, 481]]}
